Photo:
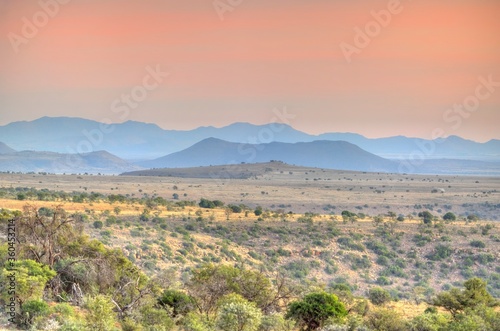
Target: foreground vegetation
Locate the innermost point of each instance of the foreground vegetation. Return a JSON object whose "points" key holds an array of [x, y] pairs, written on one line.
{"points": [[207, 269]]}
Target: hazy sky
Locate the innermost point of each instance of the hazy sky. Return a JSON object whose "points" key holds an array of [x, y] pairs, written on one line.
{"points": [[238, 63]]}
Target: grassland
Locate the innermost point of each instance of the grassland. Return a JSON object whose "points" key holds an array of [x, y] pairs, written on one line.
{"points": [[301, 227], [279, 186]]}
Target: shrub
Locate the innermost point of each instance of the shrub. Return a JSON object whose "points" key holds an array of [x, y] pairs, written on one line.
{"points": [[351, 244], [449, 216], [31, 310], [382, 280], [477, 244], [237, 314], [275, 322], [385, 320], [315, 309], [440, 252], [378, 296], [98, 225], [100, 315], [179, 302]]}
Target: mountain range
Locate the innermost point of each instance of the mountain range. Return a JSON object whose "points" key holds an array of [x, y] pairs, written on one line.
{"points": [[320, 154], [95, 162], [142, 141], [75, 145]]}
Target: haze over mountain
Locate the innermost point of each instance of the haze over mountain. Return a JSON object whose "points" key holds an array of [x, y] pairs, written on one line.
{"points": [[339, 155], [141, 141], [93, 163], [4, 149], [321, 154]]}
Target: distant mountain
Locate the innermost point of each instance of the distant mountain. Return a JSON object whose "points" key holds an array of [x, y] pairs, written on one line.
{"points": [[320, 154], [95, 162], [4, 149], [141, 141]]}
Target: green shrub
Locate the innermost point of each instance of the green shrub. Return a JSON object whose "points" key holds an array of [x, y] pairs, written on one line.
{"points": [[477, 244], [378, 296], [97, 225], [440, 252]]}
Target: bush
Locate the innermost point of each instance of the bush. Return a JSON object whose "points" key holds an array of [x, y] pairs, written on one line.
{"points": [[179, 302], [449, 216], [237, 314], [440, 252], [100, 315], [385, 320], [382, 280], [31, 310], [350, 243], [155, 319], [477, 244], [428, 322], [315, 309], [378, 296], [235, 208], [98, 225], [275, 322]]}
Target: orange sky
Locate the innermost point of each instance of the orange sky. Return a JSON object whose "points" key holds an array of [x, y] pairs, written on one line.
{"points": [[263, 55]]}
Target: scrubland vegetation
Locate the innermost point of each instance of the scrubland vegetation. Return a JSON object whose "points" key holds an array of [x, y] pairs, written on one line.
{"points": [[108, 260], [213, 266]]}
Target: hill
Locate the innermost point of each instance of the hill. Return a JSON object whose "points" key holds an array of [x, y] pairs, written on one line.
{"points": [[4, 149], [95, 162], [140, 141], [320, 154], [233, 171]]}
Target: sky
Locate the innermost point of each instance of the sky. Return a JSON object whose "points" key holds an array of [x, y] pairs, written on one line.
{"points": [[379, 68]]}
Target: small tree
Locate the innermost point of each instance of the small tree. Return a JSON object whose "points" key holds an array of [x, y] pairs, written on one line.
{"points": [[315, 309], [457, 300], [426, 216], [449, 216]]}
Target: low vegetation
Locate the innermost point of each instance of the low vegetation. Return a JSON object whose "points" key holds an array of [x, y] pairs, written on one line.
{"points": [[95, 261]]}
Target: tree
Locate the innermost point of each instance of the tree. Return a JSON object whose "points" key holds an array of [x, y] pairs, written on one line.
{"points": [[235, 313], [391, 215], [378, 296], [212, 282], [205, 203], [449, 216], [258, 211], [314, 309], [42, 238], [426, 216], [473, 295]]}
